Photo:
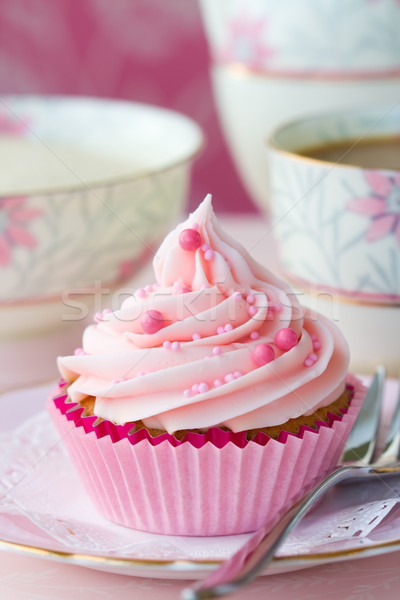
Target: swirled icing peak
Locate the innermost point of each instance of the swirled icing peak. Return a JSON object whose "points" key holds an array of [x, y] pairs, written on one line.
{"points": [[216, 340]]}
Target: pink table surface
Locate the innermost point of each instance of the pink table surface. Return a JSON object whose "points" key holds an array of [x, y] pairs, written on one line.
{"points": [[31, 578], [25, 577]]}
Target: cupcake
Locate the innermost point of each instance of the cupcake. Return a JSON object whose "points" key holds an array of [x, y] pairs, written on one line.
{"points": [[210, 398]]}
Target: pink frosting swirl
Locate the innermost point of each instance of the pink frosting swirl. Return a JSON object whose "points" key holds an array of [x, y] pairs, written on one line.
{"points": [[205, 363]]}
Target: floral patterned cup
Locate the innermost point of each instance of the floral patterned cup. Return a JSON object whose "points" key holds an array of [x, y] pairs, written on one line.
{"points": [[275, 60], [331, 38], [89, 187], [338, 225]]}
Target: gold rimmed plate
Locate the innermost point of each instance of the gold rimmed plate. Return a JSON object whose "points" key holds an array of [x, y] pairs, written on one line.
{"points": [[44, 512]]}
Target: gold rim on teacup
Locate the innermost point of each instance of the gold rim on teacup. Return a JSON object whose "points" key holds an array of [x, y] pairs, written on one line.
{"points": [[272, 142], [241, 69]]}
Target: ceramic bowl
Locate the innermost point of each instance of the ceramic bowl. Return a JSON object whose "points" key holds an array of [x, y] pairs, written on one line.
{"points": [[313, 36], [89, 188], [251, 105], [273, 61], [337, 227], [338, 224]]}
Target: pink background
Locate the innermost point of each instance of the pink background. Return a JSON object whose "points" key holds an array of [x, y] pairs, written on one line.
{"points": [[151, 51]]}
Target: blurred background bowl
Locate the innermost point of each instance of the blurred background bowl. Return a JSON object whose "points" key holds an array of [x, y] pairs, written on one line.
{"points": [[314, 36], [251, 105], [274, 61], [89, 188], [335, 216]]}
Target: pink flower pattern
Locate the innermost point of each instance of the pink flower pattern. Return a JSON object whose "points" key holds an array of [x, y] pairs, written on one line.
{"points": [[14, 218], [15, 126], [245, 44], [382, 206]]}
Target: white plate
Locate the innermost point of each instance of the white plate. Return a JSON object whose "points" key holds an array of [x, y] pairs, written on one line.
{"points": [[44, 511]]}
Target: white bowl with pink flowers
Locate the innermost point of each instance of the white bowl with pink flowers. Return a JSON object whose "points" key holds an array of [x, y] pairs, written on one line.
{"points": [[276, 60], [337, 224], [312, 37], [88, 189]]}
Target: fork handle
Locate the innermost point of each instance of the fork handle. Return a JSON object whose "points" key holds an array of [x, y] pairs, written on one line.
{"points": [[262, 546]]}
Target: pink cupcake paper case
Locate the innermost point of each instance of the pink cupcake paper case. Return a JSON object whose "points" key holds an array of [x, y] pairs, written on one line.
{"points": [[214, 484]]}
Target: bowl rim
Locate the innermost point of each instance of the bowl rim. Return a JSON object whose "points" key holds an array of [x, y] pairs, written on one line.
{"points": [[375, 114], [93, 184], [242, 69]]}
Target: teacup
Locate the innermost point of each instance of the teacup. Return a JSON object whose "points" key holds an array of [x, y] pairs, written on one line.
{"points": [[335, 201], [88, 189], [310, 37], [272, 61]]}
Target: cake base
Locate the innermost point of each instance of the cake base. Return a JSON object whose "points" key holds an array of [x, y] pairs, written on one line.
{"points": [[338, 407], [206, 488]]}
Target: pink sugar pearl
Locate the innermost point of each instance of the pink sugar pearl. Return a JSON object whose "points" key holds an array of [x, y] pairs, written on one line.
{"points": [[178, 286], [189, 239], [175, 346], [229, 377], [286, 339], [152, 321], [203, 387], [262, 354], [217, 351], [217, 383], [196, 336], [208, 255], [254, 335]]}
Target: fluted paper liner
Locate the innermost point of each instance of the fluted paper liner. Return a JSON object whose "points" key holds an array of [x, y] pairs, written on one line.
{"points": [[190, 488]]}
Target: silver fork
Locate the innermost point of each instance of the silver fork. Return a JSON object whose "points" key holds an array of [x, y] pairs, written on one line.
{"points": [[360, 460]]}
